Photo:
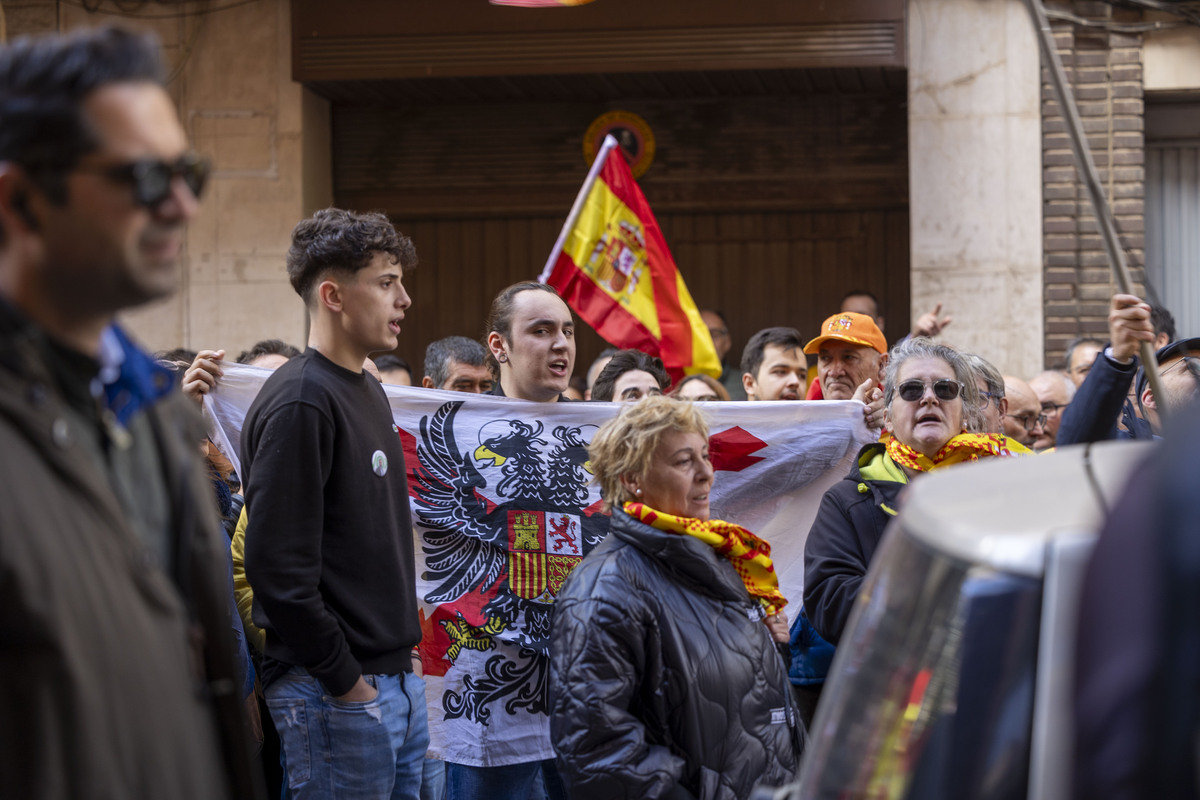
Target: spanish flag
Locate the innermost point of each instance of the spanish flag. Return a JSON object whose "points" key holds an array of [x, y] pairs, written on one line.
{"points": [[612, 266]]}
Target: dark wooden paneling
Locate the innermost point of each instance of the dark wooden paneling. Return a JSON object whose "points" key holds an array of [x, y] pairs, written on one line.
{"points": [[773, 205], [372, 39], [316, 18], [794, 151], [597, 87], [759, 269], [838, 44]]}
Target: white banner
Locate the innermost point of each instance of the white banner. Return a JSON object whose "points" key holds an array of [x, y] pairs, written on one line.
{"points": [[503, 509]]}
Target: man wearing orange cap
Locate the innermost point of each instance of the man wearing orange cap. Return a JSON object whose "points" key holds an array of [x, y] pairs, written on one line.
{"points": [[851, 356]]}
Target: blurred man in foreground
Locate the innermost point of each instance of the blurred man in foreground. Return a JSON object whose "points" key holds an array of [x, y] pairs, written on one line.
{"points": [[118, 664]]}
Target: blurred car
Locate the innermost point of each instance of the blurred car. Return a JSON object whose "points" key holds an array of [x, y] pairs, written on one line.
{"points": [[953, 678]]}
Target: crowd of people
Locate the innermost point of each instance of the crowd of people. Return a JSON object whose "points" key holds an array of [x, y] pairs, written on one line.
{"points": [[146, 651]]}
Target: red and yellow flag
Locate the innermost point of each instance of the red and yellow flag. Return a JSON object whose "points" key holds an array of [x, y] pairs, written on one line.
{"points": [[612, 266]]}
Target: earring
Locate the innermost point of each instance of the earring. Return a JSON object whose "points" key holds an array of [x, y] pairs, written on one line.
{"points": [[502, 358], [638, 492]]}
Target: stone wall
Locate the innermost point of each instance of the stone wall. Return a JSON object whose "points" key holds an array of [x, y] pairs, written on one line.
{"points": [[269, 140], [1171, 57], [1001, 232], [975, 176], [1105, 71]]}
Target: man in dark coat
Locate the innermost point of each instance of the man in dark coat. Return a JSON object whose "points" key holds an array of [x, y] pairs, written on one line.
{"points": [[1137, 708], [118, 679], [1103, 398]]}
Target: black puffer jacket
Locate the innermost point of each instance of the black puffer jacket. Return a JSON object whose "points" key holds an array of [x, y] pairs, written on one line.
{"points": [[664, 680], [844, 535]]}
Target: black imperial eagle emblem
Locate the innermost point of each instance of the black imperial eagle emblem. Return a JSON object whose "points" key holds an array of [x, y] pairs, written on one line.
{"points": [[495, 566]]}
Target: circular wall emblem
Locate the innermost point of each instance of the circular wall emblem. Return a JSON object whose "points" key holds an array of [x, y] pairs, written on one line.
{"points": [[631, 132], [379, 463]]}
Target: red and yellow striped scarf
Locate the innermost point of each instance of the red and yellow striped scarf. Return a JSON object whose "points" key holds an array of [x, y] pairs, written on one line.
{"points": [[964, 447], [749, 555]]}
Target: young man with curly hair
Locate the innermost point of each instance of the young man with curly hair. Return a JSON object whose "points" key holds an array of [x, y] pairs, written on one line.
{"points": [[329, 547]]}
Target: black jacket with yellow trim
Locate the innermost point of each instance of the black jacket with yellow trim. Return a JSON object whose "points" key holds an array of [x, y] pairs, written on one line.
{"points": [[664, 682], [844, 535]]}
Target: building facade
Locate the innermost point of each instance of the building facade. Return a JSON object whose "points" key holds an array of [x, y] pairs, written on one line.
{"points": [[800, 150]]}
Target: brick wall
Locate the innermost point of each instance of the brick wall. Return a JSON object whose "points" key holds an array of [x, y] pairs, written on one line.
{"points": [[1105, 70]]}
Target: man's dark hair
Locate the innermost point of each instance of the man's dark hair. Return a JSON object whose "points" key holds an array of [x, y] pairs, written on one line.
{"points": [[388, 361], [177, 360], [44, 81], [336, 240], [1163, 321], [628, 361], [752, 356], [499, 318], [1076, 342], [861, 293], [606, 353], [439, 354], [268, 347]]}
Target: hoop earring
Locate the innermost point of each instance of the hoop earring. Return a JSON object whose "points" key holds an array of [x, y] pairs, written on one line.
{"points": [[502, 358]]}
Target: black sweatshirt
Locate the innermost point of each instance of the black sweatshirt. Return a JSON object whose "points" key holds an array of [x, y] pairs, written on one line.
{"points": [[329, 548]]}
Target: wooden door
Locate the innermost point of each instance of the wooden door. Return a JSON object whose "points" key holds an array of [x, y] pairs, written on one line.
{"points": [[759, 269]]}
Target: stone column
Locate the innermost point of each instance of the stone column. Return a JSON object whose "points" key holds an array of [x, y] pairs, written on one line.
{"points": [[269, 141], [230, 74], [975, 176]]}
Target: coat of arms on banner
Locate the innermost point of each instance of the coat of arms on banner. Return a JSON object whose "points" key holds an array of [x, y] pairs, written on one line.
{"points": [[543, 547], [503, 509]]}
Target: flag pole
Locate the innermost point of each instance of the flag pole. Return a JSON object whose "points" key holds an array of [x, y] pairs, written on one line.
{"points": [[1091, 181], [577, 209]]}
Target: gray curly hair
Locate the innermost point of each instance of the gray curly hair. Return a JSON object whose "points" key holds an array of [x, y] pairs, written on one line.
{"points": [[921, 347]]}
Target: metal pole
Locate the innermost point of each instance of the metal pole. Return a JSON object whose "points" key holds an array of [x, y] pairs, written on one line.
{"points": [[607, 146], [1091, 181]]}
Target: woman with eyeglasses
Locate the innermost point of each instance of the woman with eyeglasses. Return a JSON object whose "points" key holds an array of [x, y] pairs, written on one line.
{"points": [[931, 402]]}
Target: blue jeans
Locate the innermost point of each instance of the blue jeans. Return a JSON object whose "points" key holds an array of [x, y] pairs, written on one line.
{"points": [[333, 749], [433, 781], [510, 782]]}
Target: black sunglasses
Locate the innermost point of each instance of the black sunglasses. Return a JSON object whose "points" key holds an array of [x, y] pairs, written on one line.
{"points": [[151, 179], [914, 390]]}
